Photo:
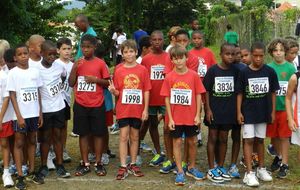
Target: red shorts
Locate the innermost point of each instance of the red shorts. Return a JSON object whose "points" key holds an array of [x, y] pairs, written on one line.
{"points": [[7, 130], [109, 118], [280, 128]]}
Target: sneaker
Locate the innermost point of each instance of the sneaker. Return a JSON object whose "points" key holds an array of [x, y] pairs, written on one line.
{"points": [[271, 150], [139, 160], [66, 157], [100, 170], [44, 171], [114, 129], [12, 169], [250, 179], [214, 176], [24, 170], [199, 143], [145, 147], [20, 184], [157, 160], [135, 170], [254, 160], [263, 174], [122, 173], [37, 178], [195, 173], [111, 154], [7, 180], [168, 166], [234, 171], [276, 164], [105, 159], [73, 134], [184, 167], [50, 163], [62, 172], [283, 171], [92, 157], [223, 173], [82, 169], [180, 179], [242, 162]]}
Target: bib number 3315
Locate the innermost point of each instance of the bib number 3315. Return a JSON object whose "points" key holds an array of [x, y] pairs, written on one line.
{"points": [[181, 96], [28, 95], [132, 96]]}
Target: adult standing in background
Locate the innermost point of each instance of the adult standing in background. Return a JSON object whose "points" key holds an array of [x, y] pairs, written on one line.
{"points": [[137, 35], [231, 36], [297, 32]]}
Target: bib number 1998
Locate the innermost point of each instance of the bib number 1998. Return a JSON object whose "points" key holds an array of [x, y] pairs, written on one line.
{"points": [[132, 96]]}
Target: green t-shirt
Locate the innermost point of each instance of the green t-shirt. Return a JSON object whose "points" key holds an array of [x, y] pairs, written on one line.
{"points": [[284, 72], [231, 37]]}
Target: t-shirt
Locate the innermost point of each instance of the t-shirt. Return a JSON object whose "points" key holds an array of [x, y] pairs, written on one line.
{"points": [[131, 83], [256, 87], [120, 39], [182, 90], [90, 94], [231, 37], [240, 65], [4, 68], [25, 82], [206, 59], [138, 35], [9, 114], [67, 90], [51, 91], [139, 60], [90, 31], [155, 64], [34, 64], [284, 72], [192, 63], [220, 84], [168, 48]]}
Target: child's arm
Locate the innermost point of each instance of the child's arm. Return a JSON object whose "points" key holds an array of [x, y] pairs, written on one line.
{"points": [[208, 112], [288, 102], [198, 112], [273, 96], [40, 124], [3, 110], [146, 102], [72, 77], [168, 108], [93, 79], [113, 89], [240, 117], [20, 119]]}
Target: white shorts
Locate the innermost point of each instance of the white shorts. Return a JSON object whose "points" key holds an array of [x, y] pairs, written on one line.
{"points": [[254, 130], [295, 139]]}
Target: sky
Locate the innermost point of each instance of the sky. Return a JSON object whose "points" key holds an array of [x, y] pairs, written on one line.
{"points": [[74, 4]]}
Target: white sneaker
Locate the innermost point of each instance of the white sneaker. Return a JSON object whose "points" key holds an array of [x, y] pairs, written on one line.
{"points": [[105, 159], [263, 174], [50, 163], [7, 180], [250, 179]]}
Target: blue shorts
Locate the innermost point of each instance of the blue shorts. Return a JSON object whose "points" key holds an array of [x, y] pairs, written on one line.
{"points": [[31, 125]]}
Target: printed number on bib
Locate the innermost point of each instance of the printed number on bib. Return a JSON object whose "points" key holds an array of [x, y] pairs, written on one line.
{"points": [[202, 69], [54, 87], [65, 86], [132, 96], [181, 96], [28, 95], [157, 72], [258, 85], [82, 85], [283, 88], [224, 84]]}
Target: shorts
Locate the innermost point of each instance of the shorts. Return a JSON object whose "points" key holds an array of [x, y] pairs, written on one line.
{"points": [[53, 120], [67, 112], [186, 130], [254, 130], [89, 120], [295, 139], [131, 122], [236, 127], [220, 127], [7, 129], [154, 110], [31, 125], [109, 118], [280, 128]]}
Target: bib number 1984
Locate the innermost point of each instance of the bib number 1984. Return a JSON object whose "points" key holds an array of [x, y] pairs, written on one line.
{"points": [[181, 96]]}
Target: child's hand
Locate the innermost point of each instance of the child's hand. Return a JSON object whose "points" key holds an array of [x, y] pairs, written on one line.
{"points": [[209, 116], [41, 121], [292, 125], [90, 79], [197, 120], [240, 118], [111, 87], [21, 122], [171, 125], [145, 115]]}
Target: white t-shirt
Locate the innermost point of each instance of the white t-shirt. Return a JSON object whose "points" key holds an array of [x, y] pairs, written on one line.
{"points": [[67, 90], [51, 91], [120, 40], [296, 62], [25, 82], [9, 114], [139, 60], [34, 64], [4, 68], [168, 48]]}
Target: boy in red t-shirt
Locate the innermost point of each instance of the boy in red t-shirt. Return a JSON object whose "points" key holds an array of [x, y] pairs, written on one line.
{"points": [[131, 86], [88, 77], [182, 90]]}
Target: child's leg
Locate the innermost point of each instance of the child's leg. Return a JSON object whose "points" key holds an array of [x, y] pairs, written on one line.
{"points": [[5, 147], [31, 146], [123, 144], [134, 143], [45, 136], [248, 149], [64, 133], [58, 144], [284, 147], [222, 138], [105, 142], [261, 152], [212, 139], [84, 147], [153, 129], [144, 129], [98, 145], [177, 142], [236, 143], [192, 151], [186, 151], [18, 151], [168, 142]]}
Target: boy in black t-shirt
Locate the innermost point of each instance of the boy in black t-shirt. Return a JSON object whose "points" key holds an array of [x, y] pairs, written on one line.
{"points": [[257, 85]]}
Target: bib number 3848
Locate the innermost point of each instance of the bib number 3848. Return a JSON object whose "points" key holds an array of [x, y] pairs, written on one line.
{"points": [[132, 96], [181, 96], [258, 85]]}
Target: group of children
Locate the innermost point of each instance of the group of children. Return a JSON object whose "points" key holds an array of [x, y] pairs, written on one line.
{"points": [[240, 94]]}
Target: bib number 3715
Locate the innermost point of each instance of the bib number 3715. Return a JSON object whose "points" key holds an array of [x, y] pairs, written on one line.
{"points": [[181, 96], [132, 96]]}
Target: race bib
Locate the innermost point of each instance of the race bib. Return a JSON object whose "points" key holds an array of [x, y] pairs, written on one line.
{"points": [[65, 87], [132, 96], [258, 85], [283, 88], [83, 86], [181, 96], [54, 87], [157, 72], [202, 70], [224, 84], [29, 94]]}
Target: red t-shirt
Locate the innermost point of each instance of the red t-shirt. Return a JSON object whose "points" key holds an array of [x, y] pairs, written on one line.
{"points": [[131, 83], [90, 95], [191, 63], [183, 90], [155, 64]]}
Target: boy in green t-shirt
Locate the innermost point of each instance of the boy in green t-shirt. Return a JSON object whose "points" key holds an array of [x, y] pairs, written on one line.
{"points": [[231, 36]]}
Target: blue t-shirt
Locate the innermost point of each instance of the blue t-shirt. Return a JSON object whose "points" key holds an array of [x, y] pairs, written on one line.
{"points": [[138, 34], [108, 100], [90, 31]]}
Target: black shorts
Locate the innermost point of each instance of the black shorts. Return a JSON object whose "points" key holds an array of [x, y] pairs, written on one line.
{"points": [[187, 130], [31, 125], [67, 111], [131, 122], [53, 120], [221, 127], [89, 120], [236, 127]]}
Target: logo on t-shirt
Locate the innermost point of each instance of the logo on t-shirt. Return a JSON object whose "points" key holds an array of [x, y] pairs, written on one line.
{"points": [[131, 81]]}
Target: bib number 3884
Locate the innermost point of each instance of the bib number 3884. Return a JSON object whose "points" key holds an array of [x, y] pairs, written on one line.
{"points": [[181, 96], [132, 96]]}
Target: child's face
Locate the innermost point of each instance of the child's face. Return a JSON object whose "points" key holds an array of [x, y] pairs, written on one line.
{"points": [[65, 51], [237, 51], [245, 56], [257, 57], [197, 40], [182, 40], [35, 48], [228, 55], [22, 56], [195, 25], [157, 41], [278, 53], [88, 49], [50, 55], [291, 54], [179, 62], [129, 55]]}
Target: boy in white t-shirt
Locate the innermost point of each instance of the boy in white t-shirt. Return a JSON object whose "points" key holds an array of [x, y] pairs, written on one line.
{"points": [[23, 84], [34, 45]]}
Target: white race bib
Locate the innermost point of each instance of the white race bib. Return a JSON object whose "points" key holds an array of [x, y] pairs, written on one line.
{"points": [[54, 87], [258, 85], [283, 88], [202, 70], [132, 96], [181, 96], [29, 94], [224, 84], [157, 72], [83, 86]]}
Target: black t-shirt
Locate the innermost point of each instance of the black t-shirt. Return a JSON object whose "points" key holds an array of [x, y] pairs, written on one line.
{"points": [[220, 84], [256, 87]]}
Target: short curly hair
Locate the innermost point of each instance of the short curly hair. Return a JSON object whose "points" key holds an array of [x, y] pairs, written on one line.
{"points": [[273, 44]]}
